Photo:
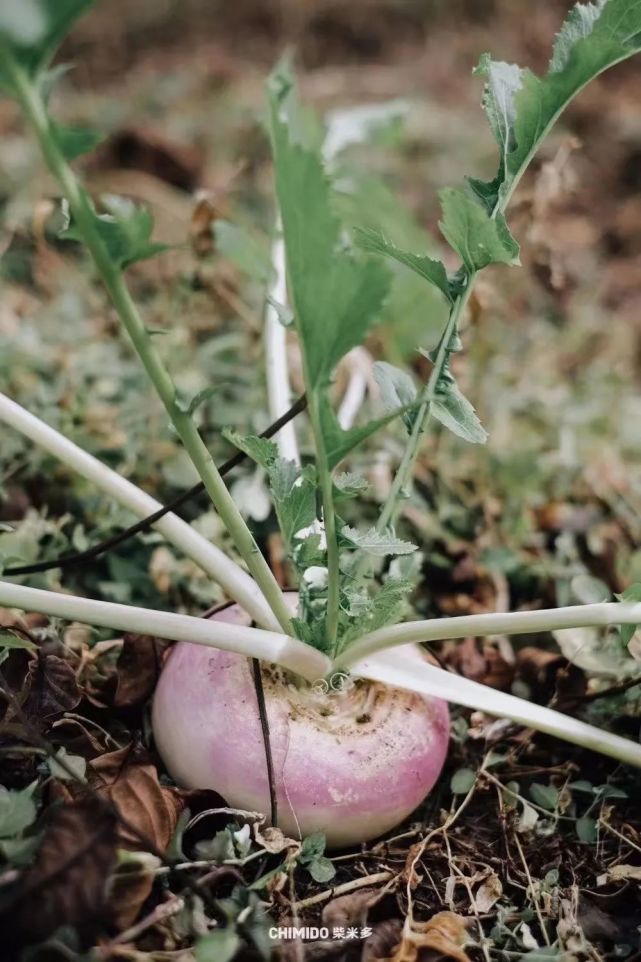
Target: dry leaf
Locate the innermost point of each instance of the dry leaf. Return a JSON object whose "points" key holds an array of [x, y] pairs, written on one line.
{"points": [[148, 810], [351, 909], [620, 873], [130, 888], [68, 882], [138, 669], [444, 934], [488, 892], [274, 841]]}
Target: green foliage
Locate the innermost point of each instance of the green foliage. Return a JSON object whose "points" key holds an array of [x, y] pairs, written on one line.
{"points": [[335, 296], [34, 29], [371, 612], [376, 543], [478, 238], [9, 640], [522, 107], [17, 811], [431, 270], [453, 410], [312, 857], [125, 230], [75, 141]]}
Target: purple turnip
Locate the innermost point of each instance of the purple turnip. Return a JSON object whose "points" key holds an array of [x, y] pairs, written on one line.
{"points": [[351, 763]]}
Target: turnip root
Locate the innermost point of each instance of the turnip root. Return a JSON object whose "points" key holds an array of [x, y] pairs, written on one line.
{"points": [[351, 763]]}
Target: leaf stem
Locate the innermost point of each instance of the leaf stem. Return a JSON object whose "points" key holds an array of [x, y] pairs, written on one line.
{"points": [[491, 623], [235, 581], [35, 111], [329, 522], [292, 654], [401, 669]]}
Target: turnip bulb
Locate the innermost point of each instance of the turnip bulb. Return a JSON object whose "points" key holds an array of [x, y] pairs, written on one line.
{"points": [[351, 763]]}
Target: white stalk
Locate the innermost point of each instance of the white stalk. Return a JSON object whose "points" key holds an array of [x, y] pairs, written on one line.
{"points": [[396, 669], [279, 391], [271, 646], [232, 578], [359, 364], [493, 623]]}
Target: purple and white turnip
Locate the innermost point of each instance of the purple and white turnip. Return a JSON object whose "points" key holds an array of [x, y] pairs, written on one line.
{"points": [[351, 763]]}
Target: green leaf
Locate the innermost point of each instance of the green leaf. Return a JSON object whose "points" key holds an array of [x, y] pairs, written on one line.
{"points": [[522, 107], [75, 141], [348, 485], [478, 238], [338, 442], [376, 543], [384, 607], [462, 781], [452, 409], [586, 829], [335, 297], [296, 508], [9, 640], [188, 405], [34, 29], [125, 230], [312, 857], [374, 242], [261, 450], [221, 945], [632, 593], [17, 811], [544, 795], [397, 390]]}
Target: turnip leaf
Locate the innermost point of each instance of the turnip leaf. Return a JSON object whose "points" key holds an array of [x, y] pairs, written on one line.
{"points": [[335, 296], [376, 542], [478, 238], [426, 267], [521, 106]]}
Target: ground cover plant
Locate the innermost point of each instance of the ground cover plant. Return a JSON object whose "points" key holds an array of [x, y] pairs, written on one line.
{"points": [[343, 647]]}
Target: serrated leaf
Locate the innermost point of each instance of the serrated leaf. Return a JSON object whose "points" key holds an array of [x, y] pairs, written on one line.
{"points": [[384, 608], [452, 409], [478, 238], [335, 297], [125, 230], [261, 450], [397, 390], [522, 107], [374, 242], [376, 543], [296, 509], [75, 141], [34, 29], [348, 485]]}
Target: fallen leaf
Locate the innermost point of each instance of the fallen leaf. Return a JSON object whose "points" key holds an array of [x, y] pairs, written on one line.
{"points": [[351, 909], [52, 687], [621, 873], [488, 893], [444, 934], [149, 812], [274, 841], [68, 882], [130, 888], [138, 669]]}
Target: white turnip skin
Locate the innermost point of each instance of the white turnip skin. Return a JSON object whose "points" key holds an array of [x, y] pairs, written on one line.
{"points": [[352, 764]]}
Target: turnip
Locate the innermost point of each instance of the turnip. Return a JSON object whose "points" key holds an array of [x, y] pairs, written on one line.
{"points": [[351, 763]]}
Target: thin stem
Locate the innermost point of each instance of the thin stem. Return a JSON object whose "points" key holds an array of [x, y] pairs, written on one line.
{"points": [[112, 277], [406, 467], [329, 524], [235, 581], [492, 623], [292, 654]]}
